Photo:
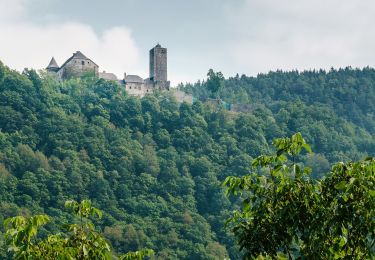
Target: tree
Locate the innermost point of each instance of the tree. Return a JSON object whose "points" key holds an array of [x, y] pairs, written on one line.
{"points": [[286, 213], [215, 82], [87, 138], [82, 241]]}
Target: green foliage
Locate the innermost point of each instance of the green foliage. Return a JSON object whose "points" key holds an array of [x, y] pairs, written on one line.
{"points": [[154, 166], [19, 234], [86, 138], [137, 255], [86, 242], [82, 241], [83, 209], [333, 109], [285, 211], [215, 82]]}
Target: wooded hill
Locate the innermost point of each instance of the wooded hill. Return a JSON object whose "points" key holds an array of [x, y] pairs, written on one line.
{"points": [[154, 166]]}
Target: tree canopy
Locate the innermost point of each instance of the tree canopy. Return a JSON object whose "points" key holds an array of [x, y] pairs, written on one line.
{"points": [[81, 242], [287, 214], [215, 82], [155, 167]]}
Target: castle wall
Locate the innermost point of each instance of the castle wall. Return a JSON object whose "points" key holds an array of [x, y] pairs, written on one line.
{"points": [[182, 96], [138, 89], [76, 67]]}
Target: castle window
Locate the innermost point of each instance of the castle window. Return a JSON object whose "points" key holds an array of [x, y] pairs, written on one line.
{"points": [[83, 62], [130, 87]]}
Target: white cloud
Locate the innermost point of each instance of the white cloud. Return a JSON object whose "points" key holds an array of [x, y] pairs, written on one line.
{"points": [[24, 44], [11, 10], [250, 36], [302, 34]]}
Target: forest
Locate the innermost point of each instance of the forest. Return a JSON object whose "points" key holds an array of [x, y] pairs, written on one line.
{"points": [[155, 167]]}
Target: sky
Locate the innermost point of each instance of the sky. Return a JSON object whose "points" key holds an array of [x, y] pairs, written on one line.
{"points": [[232, 36]]}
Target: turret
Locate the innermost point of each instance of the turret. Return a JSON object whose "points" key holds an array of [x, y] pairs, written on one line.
{"points": [[52, 66]]}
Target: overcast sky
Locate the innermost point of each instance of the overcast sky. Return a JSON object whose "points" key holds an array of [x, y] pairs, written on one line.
{"points": [[231, 36]]}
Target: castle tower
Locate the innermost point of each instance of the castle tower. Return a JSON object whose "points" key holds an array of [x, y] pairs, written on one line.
{"points": [[52, 66], [158, 64]]}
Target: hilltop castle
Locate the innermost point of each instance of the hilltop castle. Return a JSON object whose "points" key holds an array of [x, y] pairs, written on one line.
{"points": [[79, 64]]}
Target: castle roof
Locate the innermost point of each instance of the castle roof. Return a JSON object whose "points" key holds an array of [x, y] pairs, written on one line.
{"points": [[52, 64], [107, 76], [133, 79], [77, 55]]}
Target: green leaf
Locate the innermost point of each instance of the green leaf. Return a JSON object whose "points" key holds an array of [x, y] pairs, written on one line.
{"points": [[307, 147], [344, 231], [307, 170], [341, 185], [343, 241], [372, 193], [85, 251], [246, 204]]}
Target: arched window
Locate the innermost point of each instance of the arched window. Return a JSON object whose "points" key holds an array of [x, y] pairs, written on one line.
{"points": [[83, 62]]}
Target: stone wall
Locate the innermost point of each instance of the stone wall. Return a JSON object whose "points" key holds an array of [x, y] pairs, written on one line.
{"points": [[77, 67], [138, 89], [182, 96], [158, 64]]}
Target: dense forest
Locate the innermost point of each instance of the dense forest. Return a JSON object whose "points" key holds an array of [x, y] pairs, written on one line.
{"points": [[155, 167], [337, 102]]}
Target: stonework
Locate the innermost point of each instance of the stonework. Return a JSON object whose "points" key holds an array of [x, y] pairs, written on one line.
{"points": [[136, 86], [182, 96], [158, 64], [79, 64], [75, 66], [107, 76]]}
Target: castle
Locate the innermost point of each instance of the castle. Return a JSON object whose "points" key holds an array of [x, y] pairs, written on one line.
{"points": [[79, 64]]}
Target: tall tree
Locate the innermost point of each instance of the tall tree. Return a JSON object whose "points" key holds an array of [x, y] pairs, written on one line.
{"points": [[215, 82], [286, 213]]}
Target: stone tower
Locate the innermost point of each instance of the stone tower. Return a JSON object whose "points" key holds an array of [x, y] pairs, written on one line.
{"points": [[52, 66], [158, 66]]}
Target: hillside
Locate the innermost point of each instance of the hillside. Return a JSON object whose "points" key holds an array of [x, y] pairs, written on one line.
{"points": [[155, 167], [348, 92]]}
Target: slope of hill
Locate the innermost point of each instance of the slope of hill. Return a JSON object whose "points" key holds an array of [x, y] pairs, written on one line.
{"points": [[348, 92], [153, 166]]}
